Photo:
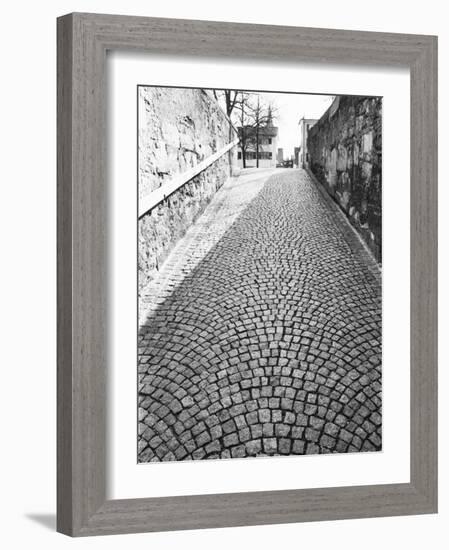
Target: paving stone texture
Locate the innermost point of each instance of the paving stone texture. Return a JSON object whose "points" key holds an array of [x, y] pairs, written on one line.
{"points": [[261, 334]]}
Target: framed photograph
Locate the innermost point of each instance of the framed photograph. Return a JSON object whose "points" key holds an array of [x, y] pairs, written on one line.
{"points": [[247, 281]]}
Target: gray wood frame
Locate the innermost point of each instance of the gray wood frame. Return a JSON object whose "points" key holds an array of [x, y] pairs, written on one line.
{"points": [[83, 40]]}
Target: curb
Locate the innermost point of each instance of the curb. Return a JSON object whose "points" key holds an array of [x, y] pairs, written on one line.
{"points": [[374, 266]]}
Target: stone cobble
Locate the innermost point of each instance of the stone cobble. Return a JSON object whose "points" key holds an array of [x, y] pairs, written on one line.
{"points": [[267, 339]]}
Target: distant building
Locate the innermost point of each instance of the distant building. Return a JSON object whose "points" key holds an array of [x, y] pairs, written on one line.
{"points": [[304, 126], [296, 155], [280, 155], [267, 139]]}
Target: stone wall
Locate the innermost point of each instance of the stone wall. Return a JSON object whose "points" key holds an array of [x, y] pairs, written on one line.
{"points": [[178, 128], [345, 155]]}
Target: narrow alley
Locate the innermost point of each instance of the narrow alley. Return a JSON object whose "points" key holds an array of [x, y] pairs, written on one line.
{"points": [[261, 334]]}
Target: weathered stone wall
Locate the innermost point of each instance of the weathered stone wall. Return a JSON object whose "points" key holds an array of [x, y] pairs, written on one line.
{"points": [[345, 155], [178, 128]]}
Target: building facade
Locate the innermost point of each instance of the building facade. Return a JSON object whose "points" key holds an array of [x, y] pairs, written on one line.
{"points": [[257, 148], [304, 126], [296, 156]]}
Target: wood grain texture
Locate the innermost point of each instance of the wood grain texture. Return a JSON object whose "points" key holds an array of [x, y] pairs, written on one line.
{"points": [[64, 276], [83, 40], [423, 288]]}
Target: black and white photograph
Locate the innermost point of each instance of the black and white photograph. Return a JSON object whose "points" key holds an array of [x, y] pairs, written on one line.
{"points": [[259, 230], [226, 218]]}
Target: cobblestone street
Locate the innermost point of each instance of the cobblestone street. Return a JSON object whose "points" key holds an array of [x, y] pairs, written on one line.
{"points": [[261, 334]]}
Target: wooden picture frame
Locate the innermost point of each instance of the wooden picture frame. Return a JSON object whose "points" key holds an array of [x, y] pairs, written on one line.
{"points": [[83, 40]]}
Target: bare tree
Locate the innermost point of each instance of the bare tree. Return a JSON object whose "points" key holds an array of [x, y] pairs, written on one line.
{"points": [[233, 101], [262, 115], [237, 104], [230, 99], [250, 114], [245, 114]]}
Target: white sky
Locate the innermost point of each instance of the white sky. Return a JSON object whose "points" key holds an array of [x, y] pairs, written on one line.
{"points": [[291, 107]]}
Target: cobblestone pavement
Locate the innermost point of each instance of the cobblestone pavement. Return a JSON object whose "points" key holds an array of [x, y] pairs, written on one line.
{"points": [[262, 335]]}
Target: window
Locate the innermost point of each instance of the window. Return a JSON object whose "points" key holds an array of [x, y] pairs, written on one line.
{"points": [[264, 155], [250, 155], [265, 141]]}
